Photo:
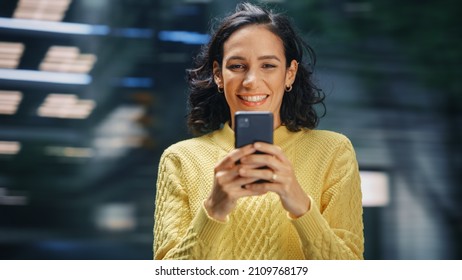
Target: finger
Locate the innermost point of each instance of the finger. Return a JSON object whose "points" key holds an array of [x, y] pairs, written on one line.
{"points": [[230, 159], [238, 189], [230, 179], [241, 182], [265, 187], [260, 160], [259, 173], [266, 162], [224, 177], [270, 149], [255, 189]]}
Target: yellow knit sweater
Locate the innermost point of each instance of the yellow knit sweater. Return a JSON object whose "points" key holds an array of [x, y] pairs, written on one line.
{"points": [[259, 228]]}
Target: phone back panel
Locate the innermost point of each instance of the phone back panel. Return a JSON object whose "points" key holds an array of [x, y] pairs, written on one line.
{"points": [[251, 127]]}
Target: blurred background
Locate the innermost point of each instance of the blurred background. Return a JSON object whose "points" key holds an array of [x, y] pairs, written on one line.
{"points": [[93, 91]]}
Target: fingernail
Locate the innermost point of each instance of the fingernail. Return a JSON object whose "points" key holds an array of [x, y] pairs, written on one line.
{"points": [[257, 145]]}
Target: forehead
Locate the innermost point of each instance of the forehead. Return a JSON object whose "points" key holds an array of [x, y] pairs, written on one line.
{"points": [[253, 40]]}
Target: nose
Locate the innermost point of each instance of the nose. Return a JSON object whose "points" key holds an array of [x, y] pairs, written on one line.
{"points": [[250, 79]]}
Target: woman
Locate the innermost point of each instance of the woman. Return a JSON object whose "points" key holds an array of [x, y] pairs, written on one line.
{"points": [[208, 202]]}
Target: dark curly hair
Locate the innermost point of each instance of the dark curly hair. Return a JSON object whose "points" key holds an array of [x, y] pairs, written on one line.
{"points": [[208, 110]]}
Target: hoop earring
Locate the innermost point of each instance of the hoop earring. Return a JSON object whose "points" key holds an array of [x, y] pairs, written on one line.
{"points": [[288, 88], [220, 90]]}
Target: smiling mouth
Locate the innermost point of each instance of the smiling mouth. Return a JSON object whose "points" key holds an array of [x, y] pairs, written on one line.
{"points": [[253, 98]]}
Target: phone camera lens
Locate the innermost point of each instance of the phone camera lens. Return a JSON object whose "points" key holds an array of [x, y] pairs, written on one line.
{"points": [[243, 122]]}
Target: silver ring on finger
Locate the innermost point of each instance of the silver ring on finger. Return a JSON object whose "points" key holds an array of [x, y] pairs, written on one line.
{"points": [[274, 177]]}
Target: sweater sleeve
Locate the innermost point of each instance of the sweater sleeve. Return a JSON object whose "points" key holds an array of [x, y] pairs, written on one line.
{"points": [[179, 233], [335, 230]]}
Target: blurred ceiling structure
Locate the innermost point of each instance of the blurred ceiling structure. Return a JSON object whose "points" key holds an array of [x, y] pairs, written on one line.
{"points": [[92, 91], [79, 81]]}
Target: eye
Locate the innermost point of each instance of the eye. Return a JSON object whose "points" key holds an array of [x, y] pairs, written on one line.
{"points": [[236, 67], [268, 66]]}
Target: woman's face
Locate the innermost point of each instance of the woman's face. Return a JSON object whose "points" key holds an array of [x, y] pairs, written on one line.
{"points": [[253, 72]]}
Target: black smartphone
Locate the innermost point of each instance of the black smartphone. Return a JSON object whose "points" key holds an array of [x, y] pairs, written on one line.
{"points": [[253, 126]]}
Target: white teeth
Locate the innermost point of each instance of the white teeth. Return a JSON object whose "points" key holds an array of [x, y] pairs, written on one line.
{"points": [[253, 98]]}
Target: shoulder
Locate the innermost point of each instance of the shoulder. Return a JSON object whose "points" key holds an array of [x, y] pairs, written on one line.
{"points": [[325, 145], [325, 138], [336, 147], [192, 146]]}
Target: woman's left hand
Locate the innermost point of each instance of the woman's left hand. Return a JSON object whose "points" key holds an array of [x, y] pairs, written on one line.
{"points": [[279, 175]]}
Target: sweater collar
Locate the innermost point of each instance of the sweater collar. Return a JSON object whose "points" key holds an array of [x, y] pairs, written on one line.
{"points": [[224, 137]]}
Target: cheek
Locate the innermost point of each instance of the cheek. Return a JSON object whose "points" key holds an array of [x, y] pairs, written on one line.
{"points": [[232, 81], [278, 84]]}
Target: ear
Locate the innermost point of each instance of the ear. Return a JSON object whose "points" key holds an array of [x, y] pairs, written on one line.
{"points": [[291, 72], [217, 76]]}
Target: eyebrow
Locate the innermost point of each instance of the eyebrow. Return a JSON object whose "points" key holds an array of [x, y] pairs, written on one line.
{"points": [[259, 58]]}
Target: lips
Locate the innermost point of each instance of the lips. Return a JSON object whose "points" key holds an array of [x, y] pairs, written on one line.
{"points": [[253, 98]]}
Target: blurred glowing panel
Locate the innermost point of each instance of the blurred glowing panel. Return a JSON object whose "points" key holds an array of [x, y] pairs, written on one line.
{"points": [[9, 101], [119, 132], [116, 217], [136, 82], [41, 9], [62, 53], [67, 59], [54, 27], [9, 147], [118, 142], [375, 188], [122, 122], [45, 77], [65, 106], [73, 28], [186, 37], [133, 32], [7, 199], [72, 152], [64, 99], [10, 54]]}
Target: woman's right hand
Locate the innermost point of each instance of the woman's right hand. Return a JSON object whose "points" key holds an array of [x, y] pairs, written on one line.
{"points": [[227, 184]]}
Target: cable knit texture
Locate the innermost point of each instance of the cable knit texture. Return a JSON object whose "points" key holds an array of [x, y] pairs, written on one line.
{"points": [[259, 228]]}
